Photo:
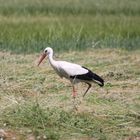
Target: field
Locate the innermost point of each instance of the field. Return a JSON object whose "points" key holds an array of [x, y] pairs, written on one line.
{"points": [[34, 101], [103, 35], [28, 27]]}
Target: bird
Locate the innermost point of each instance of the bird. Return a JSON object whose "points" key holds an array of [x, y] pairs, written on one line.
{"points": [[75, 73]]}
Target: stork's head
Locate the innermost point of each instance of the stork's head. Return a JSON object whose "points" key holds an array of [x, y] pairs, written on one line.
{"points": [[47, 51]]}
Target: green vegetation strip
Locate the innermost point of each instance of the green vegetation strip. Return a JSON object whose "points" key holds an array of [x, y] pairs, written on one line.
{"points": [[29, 26]]}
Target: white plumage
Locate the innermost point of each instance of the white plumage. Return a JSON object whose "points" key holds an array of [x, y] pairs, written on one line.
{"points": [[70, 69], [74, 72]]}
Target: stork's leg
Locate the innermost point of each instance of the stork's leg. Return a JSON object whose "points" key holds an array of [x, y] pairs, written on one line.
{"points": [[74, 92], [74, 99], [89, 86]]}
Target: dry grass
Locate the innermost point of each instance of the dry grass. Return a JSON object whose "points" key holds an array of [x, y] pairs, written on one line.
{"points": [[113, 109]]}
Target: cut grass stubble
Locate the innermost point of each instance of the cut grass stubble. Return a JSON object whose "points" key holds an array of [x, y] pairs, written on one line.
{"points": [[28, 102]]}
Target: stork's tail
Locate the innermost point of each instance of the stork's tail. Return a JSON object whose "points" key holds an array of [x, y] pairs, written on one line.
{"points": [[97, 79], [94, 77]]}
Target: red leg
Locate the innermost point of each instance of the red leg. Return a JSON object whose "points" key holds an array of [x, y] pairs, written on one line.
{"points": [[74, 92]]}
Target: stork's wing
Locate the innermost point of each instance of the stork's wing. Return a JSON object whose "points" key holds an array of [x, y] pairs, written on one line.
{"points": [[71, 69]]}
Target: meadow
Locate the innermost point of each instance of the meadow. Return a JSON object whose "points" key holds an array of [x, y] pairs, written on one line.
{"points": [[28, 27], [103, 35], [35, 102]]}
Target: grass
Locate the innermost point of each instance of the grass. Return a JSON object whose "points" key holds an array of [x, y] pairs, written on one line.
{"points": [[69, 7], [35, 102], [32, 34], [28, 27]]}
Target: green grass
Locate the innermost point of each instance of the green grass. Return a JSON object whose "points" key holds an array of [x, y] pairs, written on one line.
{"points": [[56, 123], [32, 34], [30, 26], [34, 101], [69, 7]]}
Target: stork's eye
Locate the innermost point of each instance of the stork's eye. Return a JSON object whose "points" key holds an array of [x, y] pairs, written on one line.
{"points": [[45, 51]]}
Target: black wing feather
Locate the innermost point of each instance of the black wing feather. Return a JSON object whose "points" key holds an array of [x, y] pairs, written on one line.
{"points": [[89, 76]]}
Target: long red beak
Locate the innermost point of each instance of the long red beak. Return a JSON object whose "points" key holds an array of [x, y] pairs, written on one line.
{"points": [[41, 58]]}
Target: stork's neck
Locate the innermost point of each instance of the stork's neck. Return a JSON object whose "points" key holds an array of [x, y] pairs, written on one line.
{"points": [[51, 60]]}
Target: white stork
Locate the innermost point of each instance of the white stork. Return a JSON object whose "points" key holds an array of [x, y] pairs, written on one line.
{"points": [[73, 72]]}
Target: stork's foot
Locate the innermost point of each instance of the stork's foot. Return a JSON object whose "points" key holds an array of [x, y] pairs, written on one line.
{"points": [[73, 96], [75, 106]]}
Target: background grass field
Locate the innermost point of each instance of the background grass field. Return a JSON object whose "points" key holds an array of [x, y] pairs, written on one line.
{"points": [[35, 103], [29, 26]]}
